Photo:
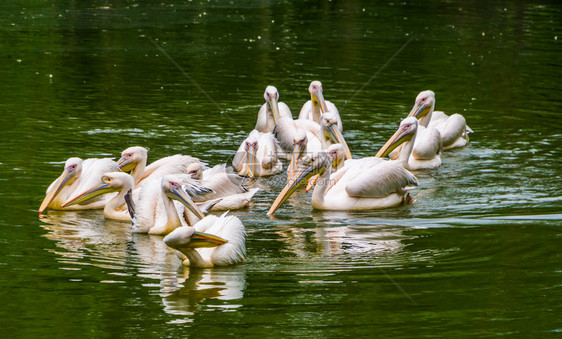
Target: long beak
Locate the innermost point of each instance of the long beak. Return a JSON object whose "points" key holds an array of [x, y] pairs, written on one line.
{"points": [[185, 199], [124, 164], [200, 239], [251, 157], [336, 133], [311, 182], [61, 181], [398, 138], [293, 165], [418, 111], [320, 98], [92, 193], [274, 107], [291, 187]]}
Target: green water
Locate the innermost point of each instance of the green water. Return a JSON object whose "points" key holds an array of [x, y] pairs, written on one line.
{"points": [[478, 254]]}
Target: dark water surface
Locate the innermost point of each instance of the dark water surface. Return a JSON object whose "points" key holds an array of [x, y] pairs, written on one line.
{"points": [[478, 254]]}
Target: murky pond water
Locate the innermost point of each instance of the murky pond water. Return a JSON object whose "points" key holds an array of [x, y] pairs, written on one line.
{"points": [[478, 253]]}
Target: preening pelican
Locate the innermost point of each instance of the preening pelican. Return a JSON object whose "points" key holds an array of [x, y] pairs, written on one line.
{"points": [[419, 147], [362, 184], [78, 176], [453, 129], [271, 111], [213, 241], [316, 106], [134, 159], [225, 184], [301, 136], [257, 156]]}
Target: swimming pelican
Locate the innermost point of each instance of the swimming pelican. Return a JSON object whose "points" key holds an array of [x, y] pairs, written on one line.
{"points": [[213, 241], [257, 156], [363, 184], [134, 159], [271, 111], [303, 136], [420, 150], [122, 206], [316, 106], [155, 212], [403, 141], [78, 176], [116, 208], [168, 216], [225, 184], [453, 129]]}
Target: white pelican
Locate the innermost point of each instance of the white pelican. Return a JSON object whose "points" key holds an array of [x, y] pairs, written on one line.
{"points": [[271, 111], [410, 152], [134, 159], [213, 241], [156, 213], [453, 129], [316, 106], [225, 184], [116, 208], [151, 208], [78, 176], [257, 156], [337, 153], [362, 184], [301, 136], [419, 147]]}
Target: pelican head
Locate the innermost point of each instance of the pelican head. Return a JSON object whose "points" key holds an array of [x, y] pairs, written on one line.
{"points": [[195, 170], [131, 157], [315, 90], [329, 125], [72, 169], [406, 131], [300, 140], [336, 152], [424, 105], [271, 96], [111, 182], [184, 238], [173, 188], [316, 163], [251, 147]]}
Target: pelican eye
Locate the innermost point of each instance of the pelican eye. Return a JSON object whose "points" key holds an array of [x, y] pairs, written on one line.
{"points": [[174, 185]]}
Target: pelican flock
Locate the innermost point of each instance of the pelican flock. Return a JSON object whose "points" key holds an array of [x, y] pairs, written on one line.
{"points": [[174, 196]]}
